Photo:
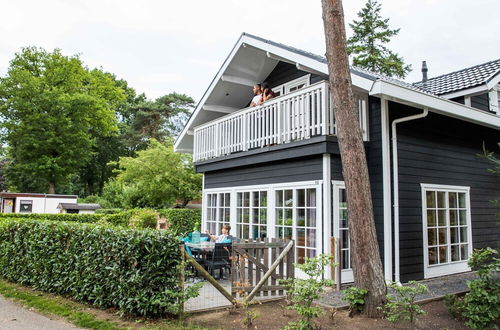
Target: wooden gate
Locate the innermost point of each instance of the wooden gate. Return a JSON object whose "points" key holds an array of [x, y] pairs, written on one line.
{"points": [[259, 265]]}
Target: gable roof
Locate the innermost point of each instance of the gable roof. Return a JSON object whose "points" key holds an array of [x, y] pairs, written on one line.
{"points": [[462, 79], [252, 58]]}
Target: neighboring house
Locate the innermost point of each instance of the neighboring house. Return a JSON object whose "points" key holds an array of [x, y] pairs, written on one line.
{"points": [[33, 203], [78, 208], [275, 170]]}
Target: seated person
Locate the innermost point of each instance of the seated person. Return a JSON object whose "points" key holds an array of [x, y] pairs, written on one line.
{"points": [[224, 236], [258, 95], [267, 93]]}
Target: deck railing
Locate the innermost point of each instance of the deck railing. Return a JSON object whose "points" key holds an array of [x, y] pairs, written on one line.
{"points": [[292, 117]]}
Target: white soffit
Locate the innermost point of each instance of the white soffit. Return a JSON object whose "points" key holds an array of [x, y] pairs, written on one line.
{"points": [[435, 104]]}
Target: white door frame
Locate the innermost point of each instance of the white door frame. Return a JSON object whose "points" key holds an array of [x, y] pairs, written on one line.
{"points": [[347, 275]]}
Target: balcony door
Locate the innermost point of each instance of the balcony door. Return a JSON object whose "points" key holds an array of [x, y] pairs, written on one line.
{"points": [[340, 229]]}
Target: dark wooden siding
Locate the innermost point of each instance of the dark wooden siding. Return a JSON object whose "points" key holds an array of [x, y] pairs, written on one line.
{"points": [[292, 170], [442, 150], [459, 99], [480, 101], [285, 72]]}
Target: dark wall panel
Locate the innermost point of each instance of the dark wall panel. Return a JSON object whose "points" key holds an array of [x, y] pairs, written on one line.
{"points": [[285, 72], [480, 101], [301, 169], [445, 151]]}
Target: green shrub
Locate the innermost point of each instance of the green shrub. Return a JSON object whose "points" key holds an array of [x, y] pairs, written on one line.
{"points": [[85, 218], [305, 291], [133, 270], [143, 219], [481, 305], [401, 304], [181, 221], [355, 297], [108, 211]]}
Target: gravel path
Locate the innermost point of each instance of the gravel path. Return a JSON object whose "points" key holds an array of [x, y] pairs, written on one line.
{"points": [[15, 317], [438, 287]]}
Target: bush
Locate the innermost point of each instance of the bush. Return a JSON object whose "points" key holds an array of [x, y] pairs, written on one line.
{"points": [[401, 304], [133, 270], [181, 221], [356, 298], [108, 211], [143, 219], [481, 305], [85, 218]]}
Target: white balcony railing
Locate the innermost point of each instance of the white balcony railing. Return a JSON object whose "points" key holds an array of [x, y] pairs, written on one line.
{"points": [[291, 117]]}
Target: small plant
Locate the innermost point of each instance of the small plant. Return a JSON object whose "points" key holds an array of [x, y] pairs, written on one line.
{"points": [[481, 305], [356, 298], [455, 305], [305, 291], [401, 304], [250, 317]]}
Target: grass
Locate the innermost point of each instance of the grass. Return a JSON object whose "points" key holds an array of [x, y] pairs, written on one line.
{"points": [[80, 314]]}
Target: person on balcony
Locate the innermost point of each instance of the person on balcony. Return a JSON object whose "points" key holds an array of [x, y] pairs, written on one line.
{"points": [[257, 91], [267, 93]]}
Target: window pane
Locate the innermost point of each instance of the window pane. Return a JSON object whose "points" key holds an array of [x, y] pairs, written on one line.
{"points": [[279, 217], [263, 216], [301, 237], [246, 216], [345, 238], [433, 259], [452, 200], [453, 217], [441, 217], [301, 253], [441, 199], [442, 236], [311, 217], [311, 253], [454, 235], [288, 217], [463, 217], [279, 198], [443, 250], [255, 215], [464, 252], [227, 199], [311, 238], [246, 199], [463, 235], [301, 197], [311, 197], [255, 198], [301, 217], [289, 198], [455, 253], [345, 259], [431, 218], [431, 199], [263, 198], [461, 200], [287, 233], [342, 198], [432, 236], [239, 199]]}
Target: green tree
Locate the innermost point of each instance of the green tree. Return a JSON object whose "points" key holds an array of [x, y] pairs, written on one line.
{"points": [[156, 178], [51, 108], [367, 45]]}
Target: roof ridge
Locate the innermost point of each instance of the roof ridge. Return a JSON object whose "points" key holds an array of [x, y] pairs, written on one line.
{"points": [[455, 72]]}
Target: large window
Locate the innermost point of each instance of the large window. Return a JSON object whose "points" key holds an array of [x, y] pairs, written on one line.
{"points": [[296, 217], [447, 234], [218, 211], [251, 214], [26, 206]]}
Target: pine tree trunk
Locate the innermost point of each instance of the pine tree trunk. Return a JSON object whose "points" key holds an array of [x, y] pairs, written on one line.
{"points": [[365, 255], [52, 188]]}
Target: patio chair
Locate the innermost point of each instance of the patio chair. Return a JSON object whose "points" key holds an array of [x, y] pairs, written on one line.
{"points": [[219, 259]]}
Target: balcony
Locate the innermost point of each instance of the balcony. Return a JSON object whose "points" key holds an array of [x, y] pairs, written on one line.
{"points": [[296, 116]]}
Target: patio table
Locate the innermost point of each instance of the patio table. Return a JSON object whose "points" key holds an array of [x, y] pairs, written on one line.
{"points": [[202, 246]]}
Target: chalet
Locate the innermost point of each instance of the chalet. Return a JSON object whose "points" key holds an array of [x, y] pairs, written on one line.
{"points": [[12, 202], [78, 208], [274, 170]]}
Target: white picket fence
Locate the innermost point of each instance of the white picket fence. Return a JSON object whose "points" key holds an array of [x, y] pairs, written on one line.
{"points": [[291, 117]]}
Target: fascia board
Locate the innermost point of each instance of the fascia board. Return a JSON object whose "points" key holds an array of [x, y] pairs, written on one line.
{"points": [[493, 81], [435, 104]]}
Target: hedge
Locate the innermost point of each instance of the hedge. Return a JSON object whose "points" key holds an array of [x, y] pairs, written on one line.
{"points": [[87, 218], [182, 221], [132, 270]]}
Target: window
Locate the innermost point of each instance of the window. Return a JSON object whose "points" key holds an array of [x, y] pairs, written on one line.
{"points": [[447, 233], [292, 85], [218, 211], [296, 219], [344, 230], [25, 206], [251, 214]]}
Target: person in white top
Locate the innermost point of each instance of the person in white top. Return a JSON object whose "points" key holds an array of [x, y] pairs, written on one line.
{"points": [[225, 233], [258, 95]]}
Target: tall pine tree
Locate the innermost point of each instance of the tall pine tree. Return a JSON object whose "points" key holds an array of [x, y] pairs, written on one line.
{"points": [[367, 45]]}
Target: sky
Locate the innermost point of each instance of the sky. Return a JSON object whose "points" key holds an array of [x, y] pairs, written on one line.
{"points": [[161, 46]]}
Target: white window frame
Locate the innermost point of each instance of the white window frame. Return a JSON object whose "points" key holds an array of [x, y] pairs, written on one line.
{"points": [[271, 200], [218, 208], [347, 274], [284, 89], [250, 207], [450, 267]]}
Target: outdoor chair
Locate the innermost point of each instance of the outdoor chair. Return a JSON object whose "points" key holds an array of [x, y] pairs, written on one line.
{"points": [[219, 259]]}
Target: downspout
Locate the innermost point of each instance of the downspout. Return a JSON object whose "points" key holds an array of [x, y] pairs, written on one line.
{"points": [[395, 181]]}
